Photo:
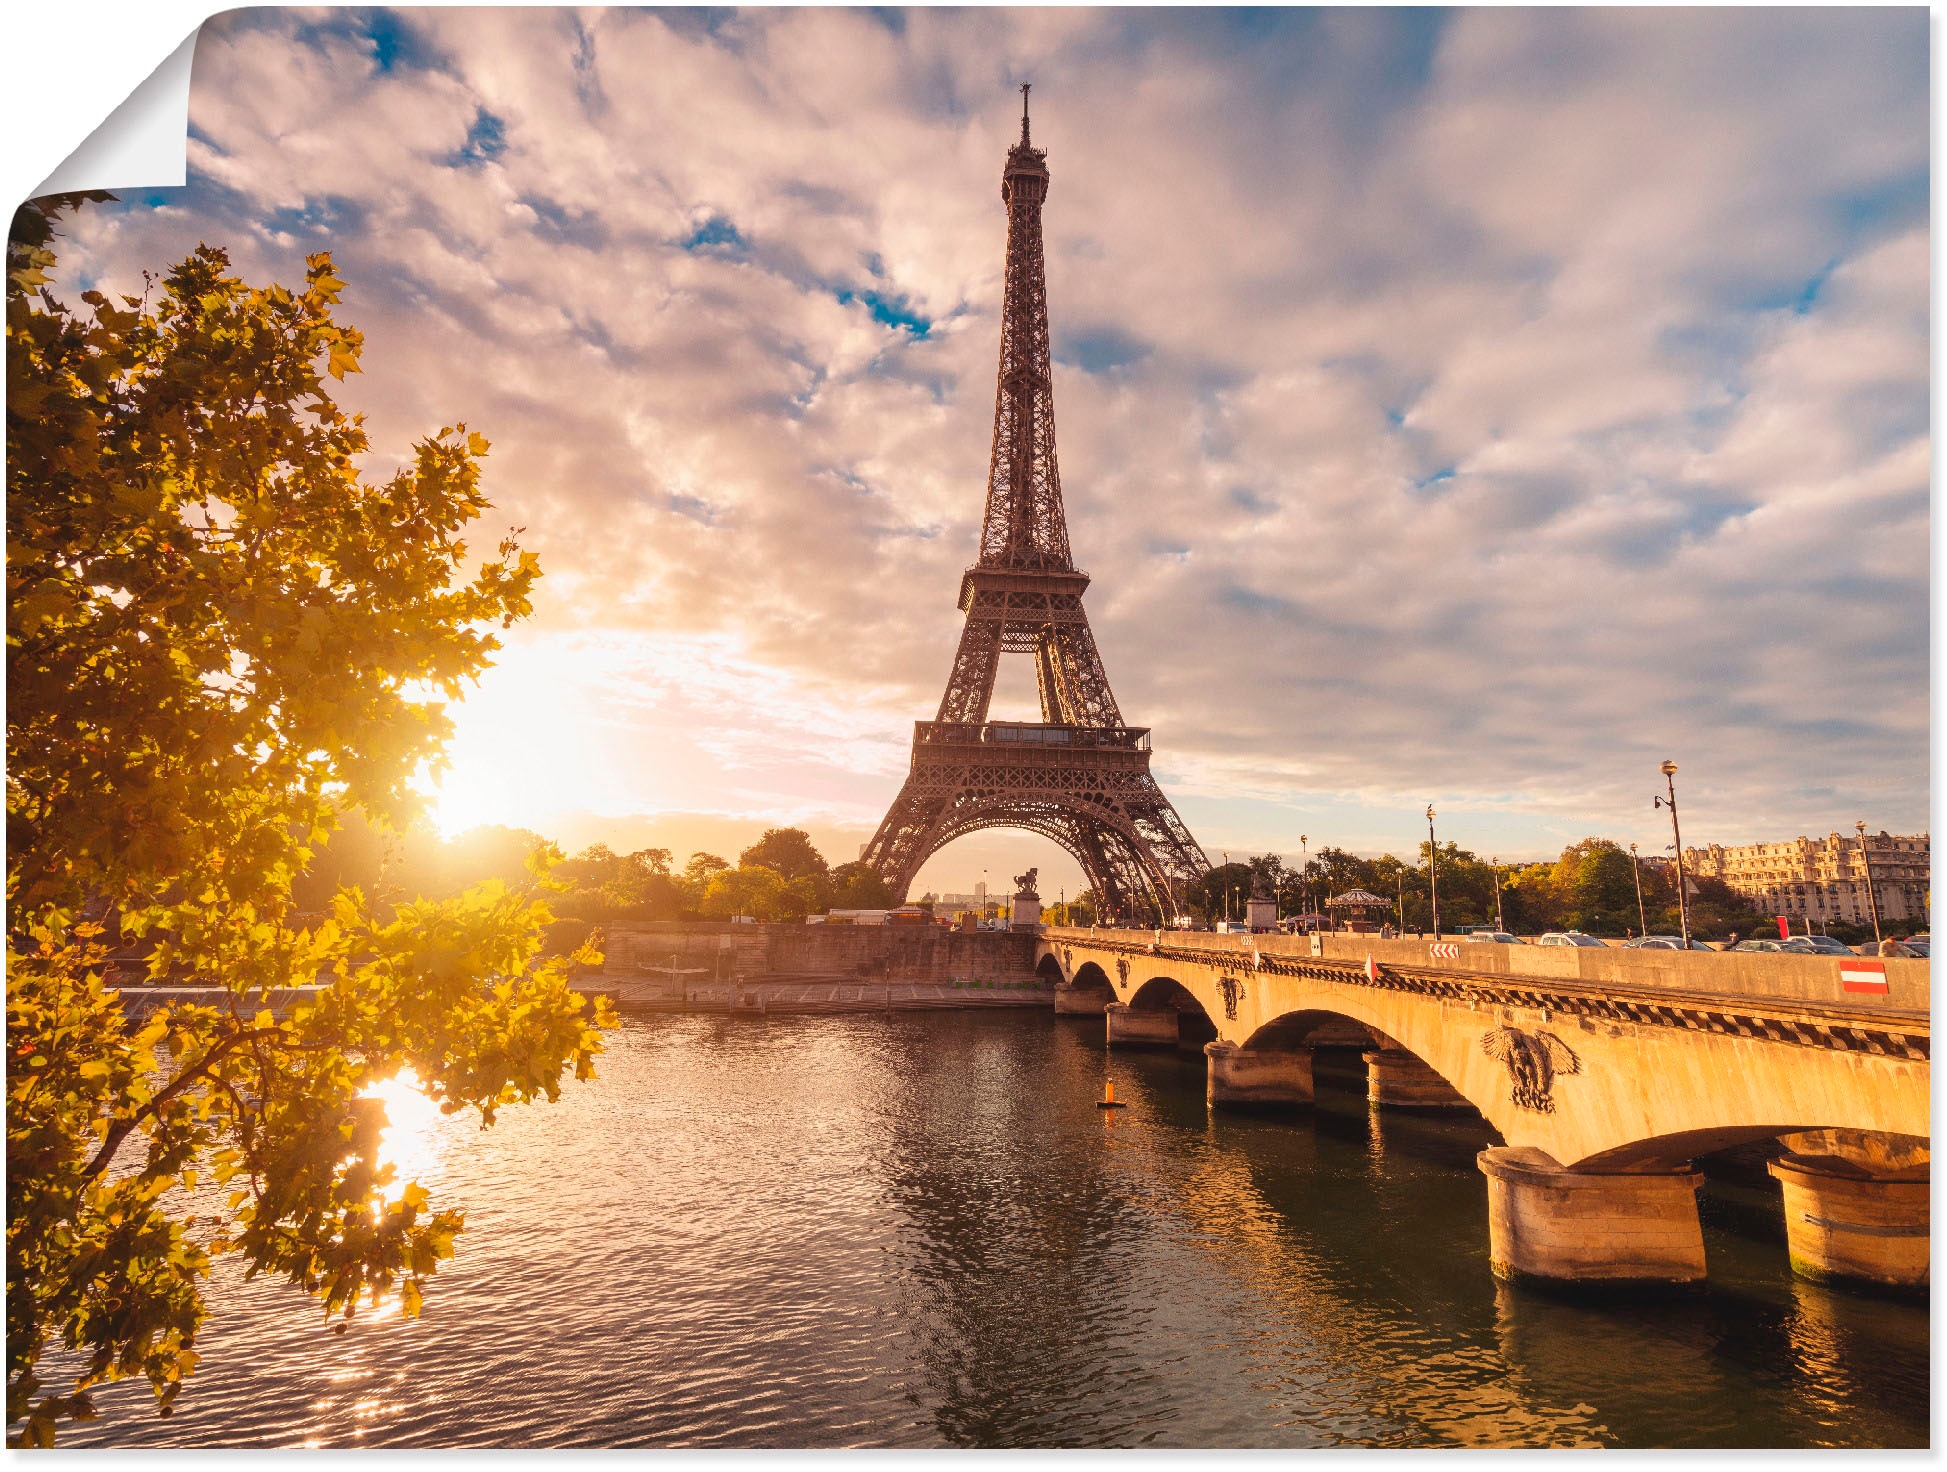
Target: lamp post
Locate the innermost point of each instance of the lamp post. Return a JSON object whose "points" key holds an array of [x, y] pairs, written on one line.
{"points": [[1305, 872], [1872, 897], [1495, 865], [1636, 868], [1399, 877], [1433, 871], [1669, 771]]}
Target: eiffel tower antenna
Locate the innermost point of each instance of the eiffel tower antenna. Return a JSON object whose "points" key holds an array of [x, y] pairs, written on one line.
{"points": [[1079, 776]]}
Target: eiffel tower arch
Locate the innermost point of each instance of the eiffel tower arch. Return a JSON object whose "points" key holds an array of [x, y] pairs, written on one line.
{"points": [[1079, 775]]}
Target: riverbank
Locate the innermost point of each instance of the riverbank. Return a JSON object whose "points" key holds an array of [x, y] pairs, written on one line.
{"points": [[807, 997]]}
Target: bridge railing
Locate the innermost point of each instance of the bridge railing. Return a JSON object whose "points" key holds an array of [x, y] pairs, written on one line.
{"points": [[1823, 981]]}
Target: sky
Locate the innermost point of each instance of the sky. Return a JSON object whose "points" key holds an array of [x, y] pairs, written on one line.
{"points": [[1473, 408]]}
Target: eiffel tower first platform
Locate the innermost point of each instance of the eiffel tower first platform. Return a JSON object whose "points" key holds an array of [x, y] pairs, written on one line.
{"points": [[1079, 776]]}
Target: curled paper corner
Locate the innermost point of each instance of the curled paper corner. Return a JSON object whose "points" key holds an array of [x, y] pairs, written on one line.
{"points": [[144, 143]]}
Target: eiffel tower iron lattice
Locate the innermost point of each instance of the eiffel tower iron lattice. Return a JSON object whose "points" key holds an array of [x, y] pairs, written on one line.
{"points": [[1079, 776]]}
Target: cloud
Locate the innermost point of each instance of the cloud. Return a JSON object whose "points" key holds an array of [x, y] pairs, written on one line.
{"points": [[1479, 407]]}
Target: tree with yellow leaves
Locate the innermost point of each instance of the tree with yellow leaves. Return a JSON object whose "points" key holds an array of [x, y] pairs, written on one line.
{"points": [[220, 637]]}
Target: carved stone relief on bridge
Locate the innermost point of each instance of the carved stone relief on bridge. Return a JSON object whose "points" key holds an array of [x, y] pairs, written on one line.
{"points": [[1122, 970], [1232, 991], [1533, 1060]]}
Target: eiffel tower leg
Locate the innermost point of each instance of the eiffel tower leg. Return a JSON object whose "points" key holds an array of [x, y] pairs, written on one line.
{"points": [[971, 685], [906, 835], [1086, 699]]}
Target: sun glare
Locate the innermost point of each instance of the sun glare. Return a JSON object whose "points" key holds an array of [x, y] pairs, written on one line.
{"points": [[523, 747], [410, 1141]]}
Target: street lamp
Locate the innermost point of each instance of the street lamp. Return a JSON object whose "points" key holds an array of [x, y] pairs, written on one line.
{"points": [[1872, 898], [1636, 868], [1305, 872], [1399, 878], [1669, 771], [1495, 865], [1433, 871]]}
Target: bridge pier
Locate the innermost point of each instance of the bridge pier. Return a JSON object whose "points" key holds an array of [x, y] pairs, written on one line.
{"points": [[1145, 1028], [1258, 1076], [1395, 1079], [1851, 1227], [1565, 1226], [1081, 1001]]}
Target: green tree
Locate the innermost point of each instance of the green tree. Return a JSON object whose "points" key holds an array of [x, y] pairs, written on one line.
{"points": [[701, 866], [749, 889], [216, 635], [787, 850], [1221, 892], [1716, 911], [859, 886]]}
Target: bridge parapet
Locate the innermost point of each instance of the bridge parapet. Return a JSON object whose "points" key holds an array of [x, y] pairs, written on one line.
{"points": [[1814, 980]]}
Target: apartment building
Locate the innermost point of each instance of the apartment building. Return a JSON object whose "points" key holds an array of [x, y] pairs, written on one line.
{"points": [[1824, 879]]}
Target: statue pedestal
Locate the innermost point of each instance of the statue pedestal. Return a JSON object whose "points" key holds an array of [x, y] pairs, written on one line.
{"points": [[1027, 913], [1261, 914]]}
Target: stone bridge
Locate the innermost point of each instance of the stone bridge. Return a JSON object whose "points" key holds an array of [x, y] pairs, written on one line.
{"points": [[1606, 1073]]}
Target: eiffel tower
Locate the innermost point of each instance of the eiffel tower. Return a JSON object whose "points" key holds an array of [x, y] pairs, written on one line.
{"points": [[1079, 775]]}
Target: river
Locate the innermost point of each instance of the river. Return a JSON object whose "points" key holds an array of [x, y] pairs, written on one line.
{"points": [[916, 1229]]}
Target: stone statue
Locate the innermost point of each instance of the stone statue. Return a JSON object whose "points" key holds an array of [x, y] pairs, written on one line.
{"points": [[1024, 885], [1261, 887]]}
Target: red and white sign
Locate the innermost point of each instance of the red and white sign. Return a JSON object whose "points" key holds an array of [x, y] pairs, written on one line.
{"points": [[1784, 928], [1372, 971], [1444, 950], [1863, 976]]}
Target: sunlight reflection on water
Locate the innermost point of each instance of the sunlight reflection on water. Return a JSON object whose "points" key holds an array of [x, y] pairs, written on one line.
{"points": [[412, 1140]]}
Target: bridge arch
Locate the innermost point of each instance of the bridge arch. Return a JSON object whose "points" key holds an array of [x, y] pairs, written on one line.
{"points": [[1162, 1010], [1313, 1028], [1396, 1076], [1165, 992], [1091, 977], [1890, 1156]]}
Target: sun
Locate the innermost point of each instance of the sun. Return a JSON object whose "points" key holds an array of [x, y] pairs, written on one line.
{"points": [[523, 748]]}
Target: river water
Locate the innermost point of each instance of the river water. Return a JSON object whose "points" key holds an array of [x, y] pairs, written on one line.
{"points": [[916, 1229]]}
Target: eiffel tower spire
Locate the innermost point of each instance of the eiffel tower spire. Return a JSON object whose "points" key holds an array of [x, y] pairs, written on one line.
{"points": [[1079, 776]]}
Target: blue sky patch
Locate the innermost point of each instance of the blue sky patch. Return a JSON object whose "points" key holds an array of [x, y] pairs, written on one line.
{"points": [[486, 140], [716, 233], [889, 310], [1099, 349]]}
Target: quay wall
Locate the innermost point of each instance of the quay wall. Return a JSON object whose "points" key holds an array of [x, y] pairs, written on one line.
{"points": [[927, 955]]}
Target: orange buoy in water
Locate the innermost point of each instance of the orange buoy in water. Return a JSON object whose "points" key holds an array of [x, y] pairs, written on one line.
{"points": [[1107, 1101]]}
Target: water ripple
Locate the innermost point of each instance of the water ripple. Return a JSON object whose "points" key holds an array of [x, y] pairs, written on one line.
{"points": [[916, 1230]]}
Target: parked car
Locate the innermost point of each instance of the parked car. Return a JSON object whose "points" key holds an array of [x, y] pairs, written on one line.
{"points": [[1914, 947], [1662, 943], [1498, 937], [1818, 945], [1571, 938], [1759, 945]]}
